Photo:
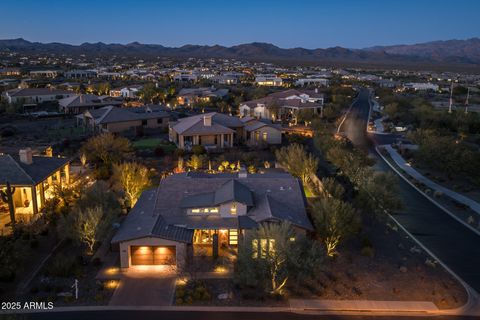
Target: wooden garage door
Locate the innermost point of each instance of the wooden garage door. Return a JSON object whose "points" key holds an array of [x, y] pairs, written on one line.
{"points": [[153, 255]]}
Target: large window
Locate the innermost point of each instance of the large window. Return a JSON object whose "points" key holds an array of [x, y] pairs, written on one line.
{"points": [[262, 247], [205, 210], [233, 237]]}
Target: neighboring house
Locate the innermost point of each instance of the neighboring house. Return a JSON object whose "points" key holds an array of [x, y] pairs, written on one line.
{"points": [[32, 178], [189, 96], [260, 132], [126, 92], [36, 95], [80, 74], [312, 81], [211, 130], [115, 120], [197, 214], [269, 80], [420, 86], [225, 79], [79, 103], [217, 131], [283, 105], [10, 71], [45, 73], [185, 76]]}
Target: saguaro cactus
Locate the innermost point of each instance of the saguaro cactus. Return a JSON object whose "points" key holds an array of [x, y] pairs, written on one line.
{"points": [[7, 196]]}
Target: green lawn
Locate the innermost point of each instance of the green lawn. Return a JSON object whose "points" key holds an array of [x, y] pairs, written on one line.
{"points": [[152, 144]]}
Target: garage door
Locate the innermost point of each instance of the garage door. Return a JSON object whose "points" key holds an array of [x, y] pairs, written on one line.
{"points": [[153, 255]]}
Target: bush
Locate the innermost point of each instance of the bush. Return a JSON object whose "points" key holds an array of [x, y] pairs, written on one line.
{"points": [[179, 152], [159, 152], [368, 252], [63, 266], [97, 262], [198, 150]]}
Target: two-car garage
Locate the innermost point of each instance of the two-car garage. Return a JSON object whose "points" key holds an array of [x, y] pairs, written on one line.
{"points": [[152, 255]]}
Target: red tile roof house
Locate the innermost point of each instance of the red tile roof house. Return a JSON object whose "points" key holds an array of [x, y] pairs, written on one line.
{"points": [[283, 105], [31, 180], [198, 214], [219, 131]]}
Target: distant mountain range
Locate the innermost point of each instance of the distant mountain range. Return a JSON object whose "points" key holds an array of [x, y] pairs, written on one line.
{"points": [[451, 52]]}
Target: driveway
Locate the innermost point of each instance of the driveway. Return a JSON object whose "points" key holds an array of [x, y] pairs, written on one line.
{"points": [[144, 289]]}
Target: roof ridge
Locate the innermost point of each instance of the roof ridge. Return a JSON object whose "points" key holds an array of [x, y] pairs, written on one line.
{"points": [[20, 167]]}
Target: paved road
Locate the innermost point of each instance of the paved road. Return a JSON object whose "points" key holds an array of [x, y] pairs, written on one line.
{"points": [[450, 241], [169, 315]]}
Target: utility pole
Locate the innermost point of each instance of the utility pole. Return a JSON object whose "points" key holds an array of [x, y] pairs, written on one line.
{"points": [[451, 99], [466, 101]]}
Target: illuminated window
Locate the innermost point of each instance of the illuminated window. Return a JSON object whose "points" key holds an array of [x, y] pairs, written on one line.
{"points": [[195, 210], [233, 237], [233, 208], [214, 210], [263, 247], [265, 135], [205, 210]]}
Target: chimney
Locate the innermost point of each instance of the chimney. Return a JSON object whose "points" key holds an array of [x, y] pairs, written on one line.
{"points": [[242, 173], [49, 152], [207, 120], [26, 156]]}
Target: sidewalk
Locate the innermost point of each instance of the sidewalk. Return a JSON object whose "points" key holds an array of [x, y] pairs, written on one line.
{"points": [[475, 206], [364, 305]]}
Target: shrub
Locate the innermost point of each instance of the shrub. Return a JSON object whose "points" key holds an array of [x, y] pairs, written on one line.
{"points": [[159, 152], [64, 266], [198, 149], [179, 152], [368, 252], [97, 262]]}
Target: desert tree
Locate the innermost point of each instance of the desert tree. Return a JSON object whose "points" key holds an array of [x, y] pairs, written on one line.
{"points": [[131, 178], [297, 161], [334, 221]]}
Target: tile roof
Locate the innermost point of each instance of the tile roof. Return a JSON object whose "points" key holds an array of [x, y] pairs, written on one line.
{"points": [[36, 92], [111, 114], [221, 123], [19, 173]]}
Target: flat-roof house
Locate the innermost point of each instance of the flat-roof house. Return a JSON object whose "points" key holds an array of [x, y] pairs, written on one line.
{"points": [[283, 105], [197, 214], [268, 80], [36, 95], [126, 92], [31, 179], [115, 120], [79, 103]]}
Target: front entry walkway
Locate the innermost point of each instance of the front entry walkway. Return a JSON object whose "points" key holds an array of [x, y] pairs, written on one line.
{"points": [[144, 288]]}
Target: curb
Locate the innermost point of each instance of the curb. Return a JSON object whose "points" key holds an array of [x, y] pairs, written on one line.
{"points": [[477, 232], [473, 296]]}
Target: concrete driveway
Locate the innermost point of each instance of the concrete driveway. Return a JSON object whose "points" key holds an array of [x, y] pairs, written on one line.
{"points": [[144, 289]]}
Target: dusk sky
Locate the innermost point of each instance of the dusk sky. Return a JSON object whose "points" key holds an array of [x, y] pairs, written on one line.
{"points": [[298, 23]]}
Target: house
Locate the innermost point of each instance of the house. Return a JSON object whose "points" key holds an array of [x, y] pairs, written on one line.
{"points": [[421, 86], [283, 105], [211, 130], [197, 214], [80, 74], [189, 96], [185, 75], [269, 80], [115, 120], [79, 103], [36, 95], [31, 180], [10, 71], [312, 81], [126, 92], [261, 132], [45, 73]]}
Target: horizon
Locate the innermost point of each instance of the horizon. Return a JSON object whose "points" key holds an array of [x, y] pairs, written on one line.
{"points": [[303, 24], [233, 45]]}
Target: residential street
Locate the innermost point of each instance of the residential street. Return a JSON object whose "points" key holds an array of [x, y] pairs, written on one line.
{"points": [[449, 240], [172, 315]]}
